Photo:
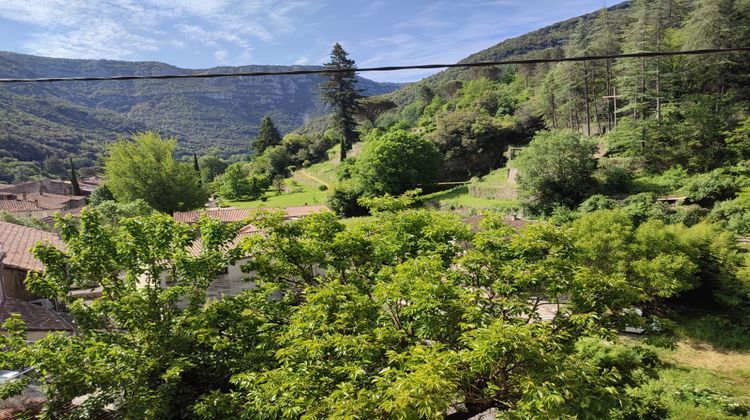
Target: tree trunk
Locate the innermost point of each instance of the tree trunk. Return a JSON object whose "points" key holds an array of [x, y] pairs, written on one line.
{"points": [[586, 97]]}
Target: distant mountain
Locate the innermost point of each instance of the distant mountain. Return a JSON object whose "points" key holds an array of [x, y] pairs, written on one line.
{"points": [[37, 120]]}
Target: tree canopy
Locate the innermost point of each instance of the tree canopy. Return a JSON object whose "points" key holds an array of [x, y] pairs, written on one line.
{"points": [[145, 168], [268, 136], [395, 318], [341, 93], [556, 168]]}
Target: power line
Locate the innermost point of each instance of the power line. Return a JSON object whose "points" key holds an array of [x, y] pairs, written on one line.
{"points": [[381, 69]]}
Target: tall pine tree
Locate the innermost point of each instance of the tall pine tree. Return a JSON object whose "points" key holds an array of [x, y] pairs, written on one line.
{"points": [[604, 41], [74, 178], [197, 168], [341, 93], [268, 136]]}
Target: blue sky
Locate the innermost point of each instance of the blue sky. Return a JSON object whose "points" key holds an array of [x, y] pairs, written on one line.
{"points": [[208, 33]]}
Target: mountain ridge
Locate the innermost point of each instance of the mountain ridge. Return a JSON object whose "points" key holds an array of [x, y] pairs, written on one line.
{"points": [[78, 117]]}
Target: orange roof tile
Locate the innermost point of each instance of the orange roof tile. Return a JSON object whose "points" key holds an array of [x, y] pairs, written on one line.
{"points": [[16, 241], [34, 316], [20, 206], [236, 215]]}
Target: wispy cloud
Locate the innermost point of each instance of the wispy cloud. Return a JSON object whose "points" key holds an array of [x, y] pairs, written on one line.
{"points": [[125, 28]]}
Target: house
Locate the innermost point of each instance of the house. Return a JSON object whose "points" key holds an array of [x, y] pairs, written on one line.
{"points": [[228, 215], [39, 204], [50, 186], [231, 281], [16, 242], [16, 261]]}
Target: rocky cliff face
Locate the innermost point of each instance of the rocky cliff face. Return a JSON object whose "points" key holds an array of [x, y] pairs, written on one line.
{"points": [[80, 117]]}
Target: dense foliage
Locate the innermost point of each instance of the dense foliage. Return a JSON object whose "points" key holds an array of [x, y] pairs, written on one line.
{"points": [[145, 168], [556, 169], [268, 136], [395, 318]]}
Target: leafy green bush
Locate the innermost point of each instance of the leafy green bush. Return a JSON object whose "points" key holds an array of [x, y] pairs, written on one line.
{"points": [[614, 178], [709, 397], [598, 202], [645, 206], [343, 199], [706, 189], [734, 214], [556, 169], [395, 162]]}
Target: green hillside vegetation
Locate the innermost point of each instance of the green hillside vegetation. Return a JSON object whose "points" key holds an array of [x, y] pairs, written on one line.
{"points": [[624, 294], [37, 121]]}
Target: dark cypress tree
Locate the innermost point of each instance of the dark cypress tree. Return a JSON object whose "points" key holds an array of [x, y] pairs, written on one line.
{"points": [[74, 178], [341, 92], [197, 168], [268, 136]]}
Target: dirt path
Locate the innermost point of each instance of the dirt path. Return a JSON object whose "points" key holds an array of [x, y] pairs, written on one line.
{"points": [[314, 178]]}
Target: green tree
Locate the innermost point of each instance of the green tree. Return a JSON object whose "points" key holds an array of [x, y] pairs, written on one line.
{"points": [[101, 194], [211, 167], [197, 169], [145, 168], [54, 166], [237, 184], [710, 26], [74, 179], [341, 93], [556, 168], [604, 41], [268, 136], [138, 348], [394, 318], [395, 162]]}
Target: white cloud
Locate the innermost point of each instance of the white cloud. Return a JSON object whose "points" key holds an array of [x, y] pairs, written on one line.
{"points": [[221, 56], [125, 28], [301, 61]]}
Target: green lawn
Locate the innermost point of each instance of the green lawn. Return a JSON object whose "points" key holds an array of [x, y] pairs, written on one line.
{"points": [[476, 195], [459, 199], [308, 196], [707, 374]]}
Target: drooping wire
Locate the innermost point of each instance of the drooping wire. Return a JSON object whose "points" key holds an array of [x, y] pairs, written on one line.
{"points": [[324, 70]]}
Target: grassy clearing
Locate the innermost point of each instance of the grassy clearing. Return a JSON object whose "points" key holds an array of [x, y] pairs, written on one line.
{"points": [[707, 374], [305, 195], [459, 199], [486, 193], [357, 221]]}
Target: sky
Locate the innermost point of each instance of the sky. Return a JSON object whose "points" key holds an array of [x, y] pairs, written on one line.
{"points": [[209, 33]]}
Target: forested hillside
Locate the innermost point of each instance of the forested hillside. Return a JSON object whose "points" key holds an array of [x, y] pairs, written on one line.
{"points": [[79, 118]]}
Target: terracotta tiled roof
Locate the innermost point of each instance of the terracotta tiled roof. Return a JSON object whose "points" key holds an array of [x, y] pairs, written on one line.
{"points": [[20, 206], [236, 215], [16, 241], [195, 247], [35, 317], [53, 201]]}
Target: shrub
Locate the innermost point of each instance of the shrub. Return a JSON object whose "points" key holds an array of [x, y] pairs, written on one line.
{"points": [[556, 169], [598, 202], [614, 178], [706, 189], [734, 214], [344, 199], [322, 188], [395, 162], [644, 206]]}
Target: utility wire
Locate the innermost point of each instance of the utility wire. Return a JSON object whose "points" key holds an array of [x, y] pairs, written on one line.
{"points": [[379, 69]]}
